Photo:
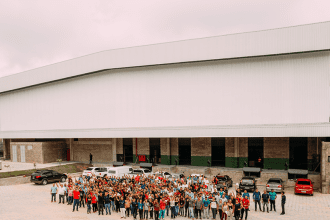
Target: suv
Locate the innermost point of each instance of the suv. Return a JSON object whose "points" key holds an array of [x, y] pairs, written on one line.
{"points": [[224, 179], [46, 176], [248, 183], [140, 171], [304, 186]]}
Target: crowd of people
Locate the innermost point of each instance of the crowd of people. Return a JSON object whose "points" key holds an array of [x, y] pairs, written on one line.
{"points": [[154, 197]]}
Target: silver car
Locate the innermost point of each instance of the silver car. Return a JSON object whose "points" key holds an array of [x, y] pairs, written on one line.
{"points": [[277, 184]]}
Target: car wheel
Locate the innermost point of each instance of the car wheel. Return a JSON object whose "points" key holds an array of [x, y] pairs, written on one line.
{"points": [[63, 179], [44, 182]]}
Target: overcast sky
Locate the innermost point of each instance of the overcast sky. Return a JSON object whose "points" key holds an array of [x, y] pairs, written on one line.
{"points": [[36, 33]]}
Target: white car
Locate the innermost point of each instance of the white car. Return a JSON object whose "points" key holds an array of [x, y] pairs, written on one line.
{"points": [[90, 171], [140, 171], [114, 171]]}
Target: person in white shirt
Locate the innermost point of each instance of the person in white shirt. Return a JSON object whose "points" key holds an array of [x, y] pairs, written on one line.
{"points": [[206, 181], [61, 191]]}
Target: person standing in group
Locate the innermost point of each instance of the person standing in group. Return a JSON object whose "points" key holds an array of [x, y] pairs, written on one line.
{"points": [[214, 208], [76, 195], [186, 206], [88, 203], [272, 197], [61, 192], [230, 213], [256, 199], [107, 203], [145, 209], [206, 208], [127, 206], [140, 207], [172, 206], [225, 210], [245, 208], [122, 207], [181, 204], [237, 210], [151, 209], [90, 158], [100, 200], [199, 208], [283, 200], [82, 198], [220, 203], [70, 194], [53, 192], [162, 206], [94, 202], [191, 208], [134, 208], [265, 201], [156, 209]]}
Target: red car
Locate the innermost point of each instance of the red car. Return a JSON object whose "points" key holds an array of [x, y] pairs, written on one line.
{"points": [[304, 186]]}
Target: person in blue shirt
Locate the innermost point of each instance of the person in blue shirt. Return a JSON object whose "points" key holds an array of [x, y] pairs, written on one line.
{"points": [[206, 203], [140, 207], [256, 199], [53, 192], [134, 208], [246, 194], [272, 197]]}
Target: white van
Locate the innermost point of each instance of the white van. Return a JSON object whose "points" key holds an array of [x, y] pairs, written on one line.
{"points": [[115, 171]]}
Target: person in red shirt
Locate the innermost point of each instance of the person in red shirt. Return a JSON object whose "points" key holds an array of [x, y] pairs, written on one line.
{"points": [[156, 208], [246, 204], [162, 206], [76, 196], [94, 203]]}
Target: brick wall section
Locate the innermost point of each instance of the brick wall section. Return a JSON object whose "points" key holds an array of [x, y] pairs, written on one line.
{"points": [[33, 155], [119, 146], [53, 151], [143, 146], [243, 147], [174, 146], [201, 147], [100, 152], [230, 147], [276, 147], [164, 146]]}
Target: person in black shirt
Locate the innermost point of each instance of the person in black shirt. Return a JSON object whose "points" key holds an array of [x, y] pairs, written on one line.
{"points": [[283, 200], [100, 201], [89, 202], [237, 210], [90, 158], [82, 198], [265, 200], [107, 203], [186, 206], [134, 208]]}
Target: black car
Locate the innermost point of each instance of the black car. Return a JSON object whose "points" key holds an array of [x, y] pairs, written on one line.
{"points": [[224, 179], [248, 183], [47, 176]]}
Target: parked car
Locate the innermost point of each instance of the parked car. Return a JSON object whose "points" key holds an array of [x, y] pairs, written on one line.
{"points": [[47, 176], [114, 171], [224, 179], [90, 171], [140, 171], [304, 186], [248, 183], [162, 174], [277, 184]]}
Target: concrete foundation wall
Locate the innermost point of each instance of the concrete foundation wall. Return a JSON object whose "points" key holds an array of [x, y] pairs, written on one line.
{"points": [[276, 152], [201, 151]]}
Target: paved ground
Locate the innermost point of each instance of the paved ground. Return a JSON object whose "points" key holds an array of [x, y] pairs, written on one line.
{"points": [[13, 166], [30, 201]]}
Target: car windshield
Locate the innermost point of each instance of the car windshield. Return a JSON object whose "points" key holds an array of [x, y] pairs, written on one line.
{"points": [[89, 169], [112, 171], [303, 183], [247, 182], [221, 178]]}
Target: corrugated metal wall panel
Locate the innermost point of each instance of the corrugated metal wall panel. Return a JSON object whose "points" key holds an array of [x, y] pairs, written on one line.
{"points": [[265, 90], [311, 37]]}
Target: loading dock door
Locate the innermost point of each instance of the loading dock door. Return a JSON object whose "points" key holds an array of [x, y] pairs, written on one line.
{"points": [[256, 151], [298, 153], [154, 144], [128, 149], [185, 151], [218, 152]]}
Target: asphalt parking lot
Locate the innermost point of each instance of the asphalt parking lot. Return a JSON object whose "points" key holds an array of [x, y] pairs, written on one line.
{"points": [[30, 201]]}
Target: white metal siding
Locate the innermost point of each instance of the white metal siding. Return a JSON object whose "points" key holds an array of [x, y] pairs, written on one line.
{"points": [[302, 38], [268, 90]]}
